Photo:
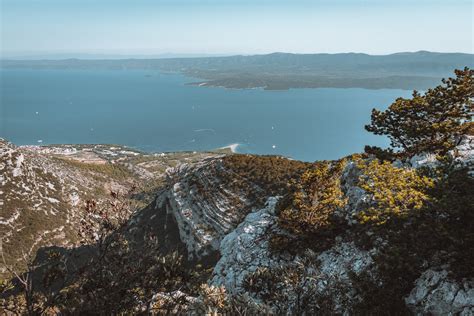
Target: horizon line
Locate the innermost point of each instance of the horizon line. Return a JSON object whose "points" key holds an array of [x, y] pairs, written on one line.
{"points": [[105, 56]]}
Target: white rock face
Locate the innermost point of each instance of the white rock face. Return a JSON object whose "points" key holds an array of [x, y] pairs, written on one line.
{"points": [[427, 160], [213, 217], [165, 300], [436, 294], [463, 155], [245, 249], [17, 170], [343, 258], [357, 198], [205, 208]]}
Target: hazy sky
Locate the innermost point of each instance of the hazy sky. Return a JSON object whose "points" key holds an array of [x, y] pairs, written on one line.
{"points": [[233, 26]]}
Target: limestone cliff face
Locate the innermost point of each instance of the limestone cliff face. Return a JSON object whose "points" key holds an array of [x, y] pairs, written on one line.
{"points": [[463, 156], [210, 217], [205, 204], [437, 294], [247, 249], [213, 216]]}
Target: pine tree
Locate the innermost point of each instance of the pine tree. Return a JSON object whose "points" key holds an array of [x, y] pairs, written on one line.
{"points": [[430, 122]]}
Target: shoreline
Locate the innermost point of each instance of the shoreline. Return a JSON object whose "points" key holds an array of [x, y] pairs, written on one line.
{"points": [[232, 147], [73, 148]]}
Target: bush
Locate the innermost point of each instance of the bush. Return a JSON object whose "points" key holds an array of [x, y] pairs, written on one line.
{"points": [[395, 191], [258, 177], [292, 290], [215, 300], [314, 199], [112, 273], [307, 213], [440, 233], [271, 173]]}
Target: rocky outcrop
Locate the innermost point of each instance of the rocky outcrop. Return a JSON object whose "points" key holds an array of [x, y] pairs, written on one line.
{"points": [[436, 294], [205, 203], [207, 209], [463, 156], [246, 250], [357, 199]]}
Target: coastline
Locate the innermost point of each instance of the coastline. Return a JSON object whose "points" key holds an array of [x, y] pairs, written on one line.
{"points": [[232, 147]]}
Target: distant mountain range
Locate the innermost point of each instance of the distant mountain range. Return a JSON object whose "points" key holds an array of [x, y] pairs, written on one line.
{"points": [[278, 71]]}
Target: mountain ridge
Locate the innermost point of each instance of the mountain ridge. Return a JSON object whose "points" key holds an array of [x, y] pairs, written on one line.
{"points": [[280, 71]]}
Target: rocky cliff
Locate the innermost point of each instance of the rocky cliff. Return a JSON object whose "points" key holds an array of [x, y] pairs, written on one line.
{"points": [[43, 189], [226, 210], [211, 217]]}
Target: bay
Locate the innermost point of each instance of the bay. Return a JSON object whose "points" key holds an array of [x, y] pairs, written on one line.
{"points": [[157, 112]]}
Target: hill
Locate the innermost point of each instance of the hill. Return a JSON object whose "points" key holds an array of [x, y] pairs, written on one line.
{"points": [[43, 190], [418, 70]]}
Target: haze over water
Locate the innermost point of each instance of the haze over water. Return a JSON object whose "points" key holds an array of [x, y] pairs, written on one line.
{"points": [[158, 112]]}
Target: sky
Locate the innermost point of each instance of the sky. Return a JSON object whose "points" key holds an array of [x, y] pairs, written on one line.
{"points": [[226, 27]]}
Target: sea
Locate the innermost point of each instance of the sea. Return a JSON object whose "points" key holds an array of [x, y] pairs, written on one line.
{"points": [[160, 112]]}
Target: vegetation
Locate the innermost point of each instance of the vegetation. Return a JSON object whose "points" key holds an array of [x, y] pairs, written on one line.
{"points": [[214, 300], [439, 233], [413, 216], [308, 211], [317, 195], [395, 192], [23, 242], [275, 286], [260, 176], [116, 171], [109, 273], [424, 215], [432, 122], [293, 290]]}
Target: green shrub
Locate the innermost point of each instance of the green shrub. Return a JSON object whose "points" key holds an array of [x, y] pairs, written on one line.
{"points": [[314, 199], [307, 211], [440, 233], [259, 177], [116, 170], [395, 191]]}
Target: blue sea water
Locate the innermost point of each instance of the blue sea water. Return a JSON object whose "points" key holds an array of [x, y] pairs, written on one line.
{"points": [[158, 112]]}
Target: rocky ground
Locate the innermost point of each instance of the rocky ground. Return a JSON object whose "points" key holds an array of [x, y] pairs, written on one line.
{"points": [[43, 189], [220, 210], [214, 221]]}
